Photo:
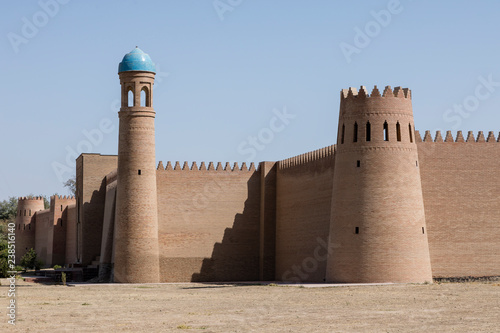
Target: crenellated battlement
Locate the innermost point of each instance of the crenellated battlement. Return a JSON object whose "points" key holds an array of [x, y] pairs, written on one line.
{"points": [[65, 197], [327, 152], [203, 167], [398, 92], [29, 198], [479, 138]]}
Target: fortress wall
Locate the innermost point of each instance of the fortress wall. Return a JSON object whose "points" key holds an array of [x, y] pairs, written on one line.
{"points": [[461, 190], [208, 222], [70, 222], [91, 170], [43, 234], [59, 217], [303, 202]]}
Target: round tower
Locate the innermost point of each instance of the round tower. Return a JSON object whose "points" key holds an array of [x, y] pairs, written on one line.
{"points": [[377, 230], [136, 220], [25, 224]]}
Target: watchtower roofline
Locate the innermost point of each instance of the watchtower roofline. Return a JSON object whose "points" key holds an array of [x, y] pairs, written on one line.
{"points": [[390, 101]]}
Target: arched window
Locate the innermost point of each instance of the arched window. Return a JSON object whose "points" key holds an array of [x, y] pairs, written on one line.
{"points": [[398, 131], [130, 98], [145, 99], [342, 136], [368, 131], [386, 131], [411, 136], [355, 134]]}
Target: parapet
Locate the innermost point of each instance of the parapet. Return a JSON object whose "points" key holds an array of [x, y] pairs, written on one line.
{"points": [[203, 167], [480, 138], [398, 92], [327, 152], [29, 198], [61, 197], [389, 101]]}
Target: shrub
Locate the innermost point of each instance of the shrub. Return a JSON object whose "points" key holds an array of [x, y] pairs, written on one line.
{"points": [[39, 264], [57, 266], [63, 278], [29, 260]]}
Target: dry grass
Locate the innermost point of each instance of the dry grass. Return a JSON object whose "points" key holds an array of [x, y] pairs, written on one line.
{"points": [[445, 307]]}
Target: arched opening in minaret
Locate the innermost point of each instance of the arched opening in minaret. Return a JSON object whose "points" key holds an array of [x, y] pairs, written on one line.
{"points": [[355, 134], [386, 131], [144, 100], [368, 131], [342, 136], [130, 98], [398, 131], [411, 136]]}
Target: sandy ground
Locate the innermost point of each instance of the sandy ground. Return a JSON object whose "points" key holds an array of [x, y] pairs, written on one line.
{"points": [[445, 307]]}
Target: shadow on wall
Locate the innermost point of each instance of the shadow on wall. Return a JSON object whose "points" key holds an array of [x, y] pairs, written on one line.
{"points": [[236, 258], [93, 215]]}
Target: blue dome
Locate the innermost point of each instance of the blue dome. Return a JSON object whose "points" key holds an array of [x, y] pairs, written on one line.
{"points": [[136, 60]]}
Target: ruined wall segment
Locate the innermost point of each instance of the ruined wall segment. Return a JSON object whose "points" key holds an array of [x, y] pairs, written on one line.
{"points": [[44, 236], [303, 209], [69, 219], [106, 258], [27, 207], [209, 220], [59, 217], [461, 194], [91, 170], [378, 231]]}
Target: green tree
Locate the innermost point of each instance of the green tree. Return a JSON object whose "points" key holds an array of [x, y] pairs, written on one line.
{"points": [[3, 248], [8, 208], [71, 185]]}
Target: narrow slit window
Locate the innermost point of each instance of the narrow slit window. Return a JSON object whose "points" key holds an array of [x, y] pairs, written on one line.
{"points": [[386, 131], [398, 131], [30, 212], [411, 136], [423, 230], [25, 212], [356, 230], [368, 131], [355, 134], [139, 172], [358, 163], [416, 163], [61, 208], [343, 133]]}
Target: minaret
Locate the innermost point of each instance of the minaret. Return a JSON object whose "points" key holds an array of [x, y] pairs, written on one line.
{"points": [[136, 220], [377, 230]]}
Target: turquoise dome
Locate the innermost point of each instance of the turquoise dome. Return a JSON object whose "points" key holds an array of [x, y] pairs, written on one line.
{"points": [[136, 60]]}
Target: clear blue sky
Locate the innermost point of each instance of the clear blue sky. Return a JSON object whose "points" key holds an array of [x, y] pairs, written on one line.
{"points": [[221, 81]]}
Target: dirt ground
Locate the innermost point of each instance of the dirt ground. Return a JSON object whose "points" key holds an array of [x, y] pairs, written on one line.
{"points": [[445, 307]]}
